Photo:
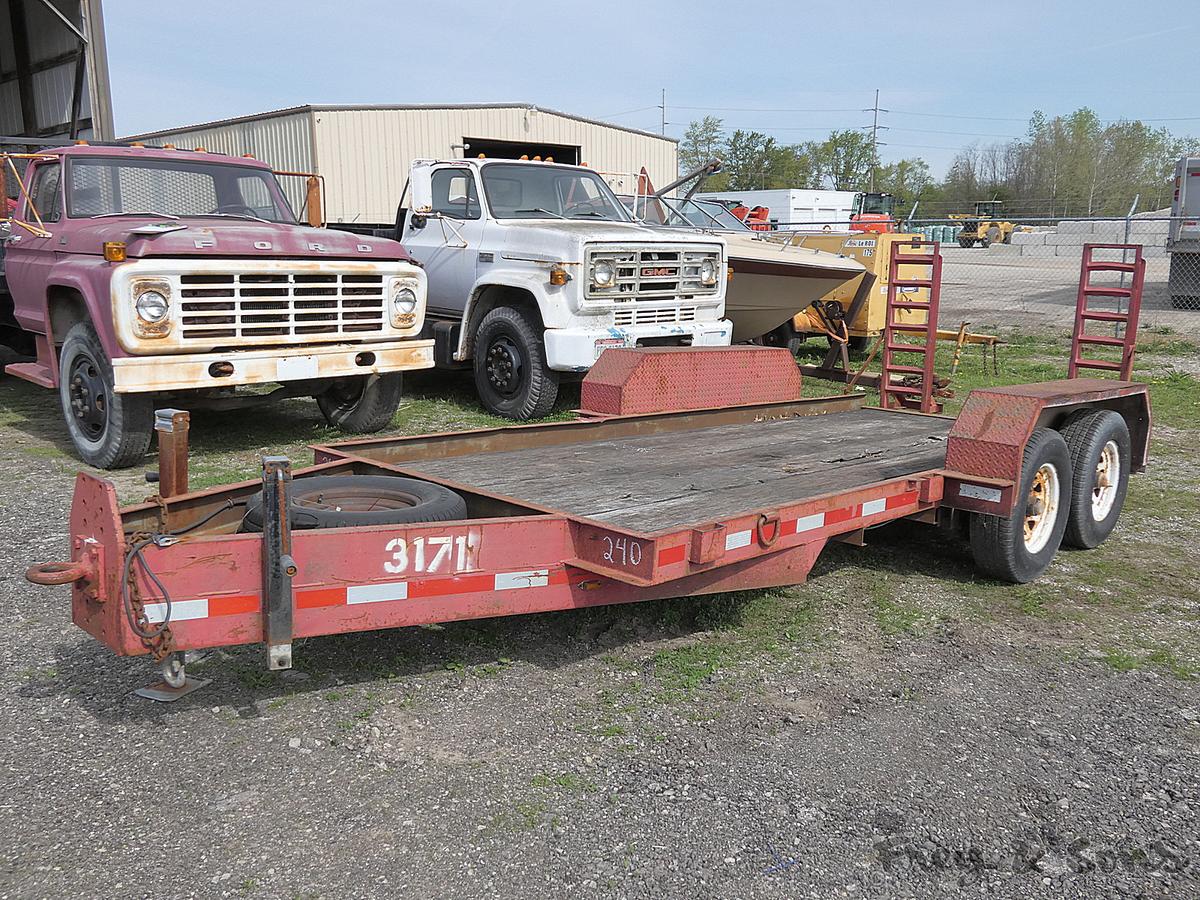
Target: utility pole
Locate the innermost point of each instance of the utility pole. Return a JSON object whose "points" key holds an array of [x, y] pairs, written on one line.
{"points": [[875, 143], [663, 108]]}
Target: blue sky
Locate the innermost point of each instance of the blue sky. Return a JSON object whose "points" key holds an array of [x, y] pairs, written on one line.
{"points": [[793, 70]]}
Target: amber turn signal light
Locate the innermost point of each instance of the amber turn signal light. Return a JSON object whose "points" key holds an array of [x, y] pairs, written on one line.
{"points": [[114, 251], [559, 275]]}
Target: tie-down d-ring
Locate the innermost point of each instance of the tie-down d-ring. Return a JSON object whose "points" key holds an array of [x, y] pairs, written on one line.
{"points": [[768, 529]]}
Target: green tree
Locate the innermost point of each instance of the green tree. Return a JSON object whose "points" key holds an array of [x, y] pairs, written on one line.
{"points": [[703, 141], [845, 159]]}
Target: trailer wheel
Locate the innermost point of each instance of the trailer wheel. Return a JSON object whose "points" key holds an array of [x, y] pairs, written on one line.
{"points": [[109, 430], [1019, 547], [361, 404], [511, 374], [346, 501], [1100, 453]]}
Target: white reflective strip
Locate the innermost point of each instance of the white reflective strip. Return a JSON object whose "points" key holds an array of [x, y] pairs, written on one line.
{"points": [[737, 539], [810, 523], [507, 581], [181, 610], [874, 506], [377, 593], [979, 492]]}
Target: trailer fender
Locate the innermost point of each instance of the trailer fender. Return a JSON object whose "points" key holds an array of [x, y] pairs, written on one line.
{"points": [[989, 436]]}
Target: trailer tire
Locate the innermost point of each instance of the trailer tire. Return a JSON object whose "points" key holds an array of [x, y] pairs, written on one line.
{"points": [[1019, 547], [511, 373], [109, 430], [361, 404], [325, 501], [1100, 447]]}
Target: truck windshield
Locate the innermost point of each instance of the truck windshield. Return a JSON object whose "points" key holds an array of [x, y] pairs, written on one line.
{"points": [[113, 186], [531, 191]]}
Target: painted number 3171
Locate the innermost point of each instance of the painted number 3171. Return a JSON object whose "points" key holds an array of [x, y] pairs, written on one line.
{"points": [[437, 553]]}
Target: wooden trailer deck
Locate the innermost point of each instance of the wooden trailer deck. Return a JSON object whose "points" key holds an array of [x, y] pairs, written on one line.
{"points": [[654, 482]]}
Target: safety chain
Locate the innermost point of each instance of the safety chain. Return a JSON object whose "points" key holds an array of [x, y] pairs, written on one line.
{"points": [[160, 641]]}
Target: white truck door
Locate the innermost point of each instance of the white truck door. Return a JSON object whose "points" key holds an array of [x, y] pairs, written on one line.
{"points": [[446, 198]]}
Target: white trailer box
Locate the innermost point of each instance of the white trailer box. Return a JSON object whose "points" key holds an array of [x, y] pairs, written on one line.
{"points": [[793, 209]]}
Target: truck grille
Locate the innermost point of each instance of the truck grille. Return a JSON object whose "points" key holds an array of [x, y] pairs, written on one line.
{"points": [[641, 315], [265, 305], [653, 273]]}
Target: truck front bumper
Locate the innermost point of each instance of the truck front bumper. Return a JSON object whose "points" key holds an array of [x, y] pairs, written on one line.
{"points": [[181, 372], [576, 349]]}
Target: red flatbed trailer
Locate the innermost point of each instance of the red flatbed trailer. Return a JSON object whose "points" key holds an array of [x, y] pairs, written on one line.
{"points": [[679, 498]]}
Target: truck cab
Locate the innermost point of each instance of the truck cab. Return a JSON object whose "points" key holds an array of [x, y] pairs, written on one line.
{"points": [[535, 268], [135, 273]]}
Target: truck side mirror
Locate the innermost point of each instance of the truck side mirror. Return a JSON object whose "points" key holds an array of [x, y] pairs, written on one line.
{"points": [[417, 221], [422, 189]]}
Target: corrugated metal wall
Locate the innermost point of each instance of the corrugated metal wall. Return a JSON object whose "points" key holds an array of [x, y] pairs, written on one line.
{"points": [[364, 154], [284, 141], [51, 48]]}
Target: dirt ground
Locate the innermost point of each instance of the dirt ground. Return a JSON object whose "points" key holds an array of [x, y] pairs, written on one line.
{"points": [[895, 727]]}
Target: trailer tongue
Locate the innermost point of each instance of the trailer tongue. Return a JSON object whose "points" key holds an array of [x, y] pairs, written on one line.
{"points": [[723, 479]]}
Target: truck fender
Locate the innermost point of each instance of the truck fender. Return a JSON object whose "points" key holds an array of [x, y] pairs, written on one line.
{"points": [[57, 316], [534, 282]]}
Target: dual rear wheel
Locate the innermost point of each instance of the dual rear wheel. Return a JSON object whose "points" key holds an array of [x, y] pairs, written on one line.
{"points": [[1072, 488]]}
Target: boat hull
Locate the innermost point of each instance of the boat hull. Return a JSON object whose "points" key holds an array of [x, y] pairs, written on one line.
{"points": [[761, 298]]}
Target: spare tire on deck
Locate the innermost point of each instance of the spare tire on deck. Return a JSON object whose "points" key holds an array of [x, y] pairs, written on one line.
{"points": [[343, 501]]}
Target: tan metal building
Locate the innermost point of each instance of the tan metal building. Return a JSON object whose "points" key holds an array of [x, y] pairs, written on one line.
{"points": [[364, 152]]}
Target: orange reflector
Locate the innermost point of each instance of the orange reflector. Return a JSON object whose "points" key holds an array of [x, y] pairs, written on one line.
{"points": [[137, 144], [549, 159], [81, 142], [201, 150], [729, 273], [247, 156], [558, 275], [525, 156], [481, 156], [537, 159], [168, 146], [114, 251]]}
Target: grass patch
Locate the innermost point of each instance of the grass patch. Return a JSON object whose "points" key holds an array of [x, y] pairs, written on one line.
{"points": [[1159, 658], [567, 781]]}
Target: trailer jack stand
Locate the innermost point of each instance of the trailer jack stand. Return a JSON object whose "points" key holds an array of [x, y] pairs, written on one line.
{"points": [[175, 682]]}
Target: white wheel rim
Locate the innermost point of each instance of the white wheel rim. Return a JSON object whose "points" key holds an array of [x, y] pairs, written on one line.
{"points": [[1108, 476], [1041, 507]]}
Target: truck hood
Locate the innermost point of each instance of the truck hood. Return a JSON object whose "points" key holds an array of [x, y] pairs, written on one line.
{"points": [[567, 238], [212, 237]]}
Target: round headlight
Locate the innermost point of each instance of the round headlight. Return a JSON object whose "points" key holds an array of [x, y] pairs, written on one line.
{"points": [[404, 301], [152, 307], [604, 274], [708, 272]]}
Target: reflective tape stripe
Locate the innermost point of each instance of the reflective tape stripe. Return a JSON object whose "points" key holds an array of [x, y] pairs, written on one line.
{"points": [[810, 523], [507, 581], [738, 539], [181, 610], [377, 593], [874, 506]]}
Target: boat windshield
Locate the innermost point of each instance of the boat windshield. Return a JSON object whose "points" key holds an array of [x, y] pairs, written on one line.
{"points": [[676, 212]]}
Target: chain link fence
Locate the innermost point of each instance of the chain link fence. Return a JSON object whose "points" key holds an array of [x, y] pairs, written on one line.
{"points": [[1025, 275]]}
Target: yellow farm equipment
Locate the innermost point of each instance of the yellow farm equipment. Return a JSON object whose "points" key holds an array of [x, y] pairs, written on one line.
{"points": [[984, 227]]}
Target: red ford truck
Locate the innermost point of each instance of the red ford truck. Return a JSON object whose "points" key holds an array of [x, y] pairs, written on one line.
{"points": [[131, 275]]}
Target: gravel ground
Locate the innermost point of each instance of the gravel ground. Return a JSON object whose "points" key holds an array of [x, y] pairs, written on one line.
{"points": [[953, 745]]}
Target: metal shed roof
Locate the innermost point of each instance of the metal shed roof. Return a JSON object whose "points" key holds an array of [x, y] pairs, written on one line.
{"points": [[432, 107]]}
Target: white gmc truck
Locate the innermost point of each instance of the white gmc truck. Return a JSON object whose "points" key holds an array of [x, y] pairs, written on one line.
{"points": [[535, 268]]}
